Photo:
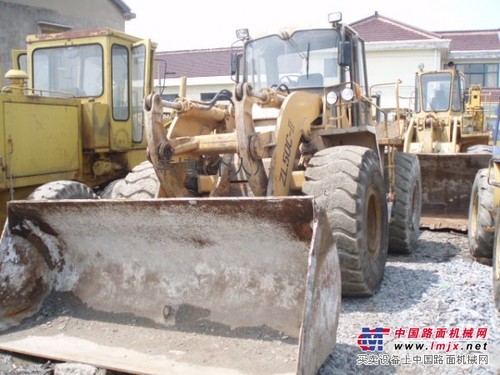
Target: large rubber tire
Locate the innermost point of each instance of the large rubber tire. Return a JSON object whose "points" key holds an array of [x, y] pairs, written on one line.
{"points": [[481, 217], [496, 264], [107, 192], [62, 190], [28, 280], [404, 226], [347, 183], [140, 183]]}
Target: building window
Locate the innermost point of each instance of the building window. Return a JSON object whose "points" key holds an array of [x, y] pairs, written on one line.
{"points": [[485, 75]]}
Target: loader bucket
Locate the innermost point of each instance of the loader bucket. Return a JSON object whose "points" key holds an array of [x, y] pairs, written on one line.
{"points": [[446, 187], [168, 286]]}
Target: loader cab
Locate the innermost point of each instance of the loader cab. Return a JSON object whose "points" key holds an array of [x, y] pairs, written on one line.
{"points": [[73, 110], [304, 59], [102, 66], [323, 61], [439, 91]]}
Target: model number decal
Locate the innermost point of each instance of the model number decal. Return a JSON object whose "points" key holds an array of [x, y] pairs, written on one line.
{"points": [[287, 151]]}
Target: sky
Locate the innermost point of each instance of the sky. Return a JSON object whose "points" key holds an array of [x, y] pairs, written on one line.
{"points": [[201, 24]]}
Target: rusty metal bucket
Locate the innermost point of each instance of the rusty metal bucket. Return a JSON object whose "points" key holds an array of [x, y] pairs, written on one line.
{"points": [[222, 285], [446, 187]]}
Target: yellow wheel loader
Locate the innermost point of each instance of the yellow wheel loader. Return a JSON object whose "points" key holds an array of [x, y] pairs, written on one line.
{"points": [[73, 110], [451, 139], [230, 249]]}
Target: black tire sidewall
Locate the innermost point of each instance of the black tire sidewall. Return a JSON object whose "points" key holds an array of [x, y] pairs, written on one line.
{"points": [[480, 219], [404, 227], [342, 179], [63, 189]]}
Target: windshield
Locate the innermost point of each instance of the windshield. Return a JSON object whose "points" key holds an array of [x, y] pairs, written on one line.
{"points": [[436, 91], [307, 58], [71, 70]]}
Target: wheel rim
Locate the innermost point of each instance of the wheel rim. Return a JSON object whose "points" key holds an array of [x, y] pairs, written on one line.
{"points": [[373, 221]]}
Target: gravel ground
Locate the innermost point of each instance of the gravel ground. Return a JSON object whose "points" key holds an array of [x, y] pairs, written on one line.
{"points": [[438, 288]]}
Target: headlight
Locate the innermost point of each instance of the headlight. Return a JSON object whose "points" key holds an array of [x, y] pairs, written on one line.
{"points": [[347, 94], [332, 97], [242, 34]]}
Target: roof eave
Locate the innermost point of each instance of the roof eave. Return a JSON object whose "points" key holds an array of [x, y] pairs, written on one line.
{"points": [[477, 54], [125, 10], [428, 34], [422, 44]]}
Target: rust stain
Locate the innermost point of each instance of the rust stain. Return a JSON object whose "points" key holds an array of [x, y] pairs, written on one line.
{"points": [[72, 35]]}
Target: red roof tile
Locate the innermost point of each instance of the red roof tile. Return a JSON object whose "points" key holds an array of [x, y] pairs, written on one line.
{"points": [[377, 28], [197, 63], [475, 40]]}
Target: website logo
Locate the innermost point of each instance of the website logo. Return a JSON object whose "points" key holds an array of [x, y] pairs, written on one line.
{"points": [[372, 339]]}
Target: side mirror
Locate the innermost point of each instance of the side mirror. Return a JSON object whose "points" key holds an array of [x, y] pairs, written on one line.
{"points": [[235, 65], [345, 53]]}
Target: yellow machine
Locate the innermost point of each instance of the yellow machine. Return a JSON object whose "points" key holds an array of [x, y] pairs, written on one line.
{"points": [[267, 203], [451, 140], [77, 112]]}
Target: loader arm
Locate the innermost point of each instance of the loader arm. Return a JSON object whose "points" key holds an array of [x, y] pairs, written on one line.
{"points": [[170, 183], [297, 113], [254, 167], [201, 130], [409, 135]]}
